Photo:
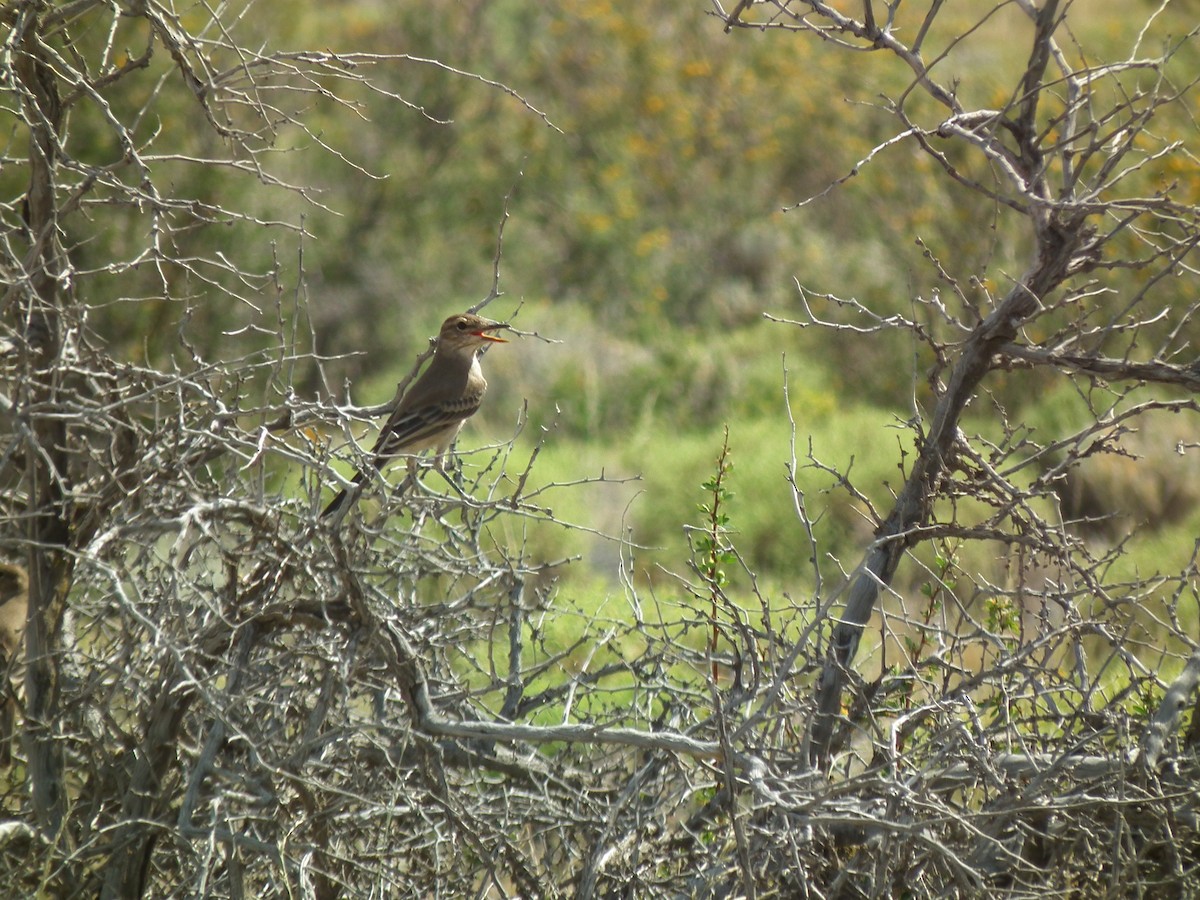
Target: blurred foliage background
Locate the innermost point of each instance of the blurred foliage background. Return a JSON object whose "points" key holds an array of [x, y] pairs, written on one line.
{"points": [[653, 168]]}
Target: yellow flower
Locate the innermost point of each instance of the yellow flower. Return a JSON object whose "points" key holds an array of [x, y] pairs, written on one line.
{"points": [[653, 105], [596, 223], [652, 240]]}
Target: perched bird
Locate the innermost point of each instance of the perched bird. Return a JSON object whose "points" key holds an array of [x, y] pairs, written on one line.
{"points": [[14, 606], [431, 412]]}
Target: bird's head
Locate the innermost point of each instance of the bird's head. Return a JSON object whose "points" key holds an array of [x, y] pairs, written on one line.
{"points": [[467, 331]]}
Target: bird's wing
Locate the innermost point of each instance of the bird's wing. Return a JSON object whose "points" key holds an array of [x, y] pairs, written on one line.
{"points": [[421, 428]]}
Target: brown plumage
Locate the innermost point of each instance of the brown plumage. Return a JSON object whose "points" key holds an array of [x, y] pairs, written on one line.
{"points": [[432, 411], [14, 608]]}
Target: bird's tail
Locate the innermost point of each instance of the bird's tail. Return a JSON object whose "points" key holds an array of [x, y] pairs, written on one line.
{"points": [[336, 506], [341, 504]]}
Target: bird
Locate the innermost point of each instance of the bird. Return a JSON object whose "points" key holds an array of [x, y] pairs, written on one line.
{"points": [[14, 606], [432, 411]]}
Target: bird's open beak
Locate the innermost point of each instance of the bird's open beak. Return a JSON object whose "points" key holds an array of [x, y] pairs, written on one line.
{"points": [[483, 332]]}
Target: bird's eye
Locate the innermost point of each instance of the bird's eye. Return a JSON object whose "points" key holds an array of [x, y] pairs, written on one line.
{"points": [[461, 324]]}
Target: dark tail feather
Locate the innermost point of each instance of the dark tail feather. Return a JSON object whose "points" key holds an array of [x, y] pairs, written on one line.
{"points": [[341, 504], [336, 504]]}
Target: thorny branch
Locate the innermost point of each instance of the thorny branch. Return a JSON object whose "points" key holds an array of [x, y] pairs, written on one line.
{"points": [[217, 691]]}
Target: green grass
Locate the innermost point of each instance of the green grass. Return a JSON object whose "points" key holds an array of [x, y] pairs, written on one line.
{"points": [[670, 466]]}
